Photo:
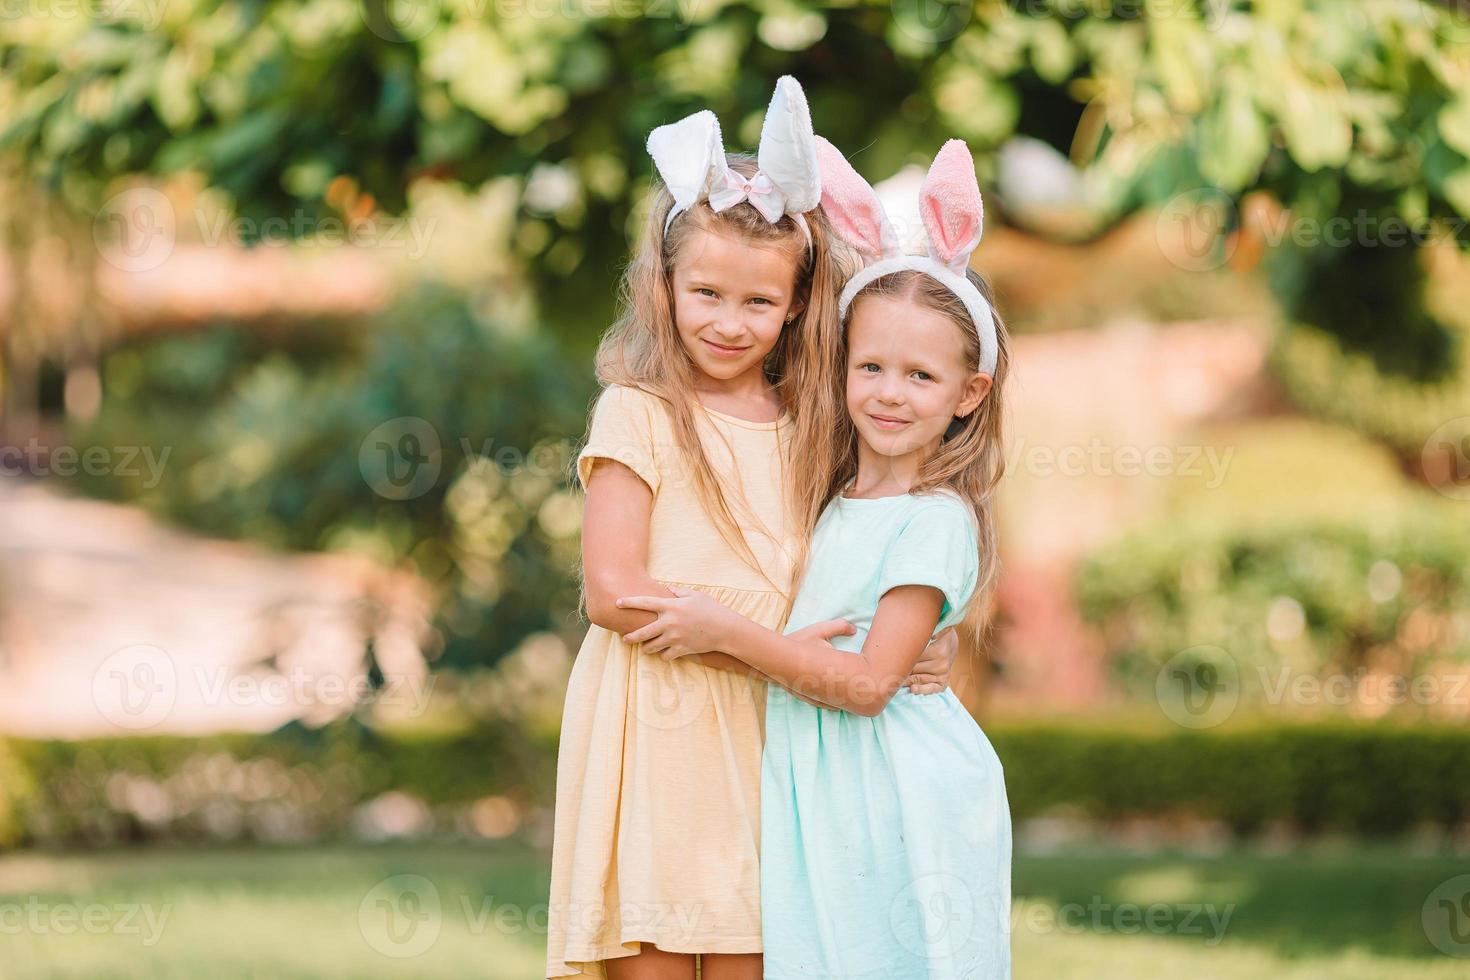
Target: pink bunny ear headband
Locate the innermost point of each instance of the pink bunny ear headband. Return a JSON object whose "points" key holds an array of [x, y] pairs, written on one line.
{"points": [[953, 215], [690, 157]]}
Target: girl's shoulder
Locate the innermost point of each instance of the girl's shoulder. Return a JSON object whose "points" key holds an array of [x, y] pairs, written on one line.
{"points": [[629, 397], [942, 507], [631, 405], [936, 511]]}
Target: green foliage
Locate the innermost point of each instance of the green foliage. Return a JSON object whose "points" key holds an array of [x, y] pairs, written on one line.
{"points": [[1346, 386], [1386, 594], [16, 791], [1320, 103], [428, 437], [1371, 779], [1373, 299]]}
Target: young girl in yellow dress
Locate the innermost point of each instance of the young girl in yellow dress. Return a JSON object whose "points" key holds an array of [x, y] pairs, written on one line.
{"points": [[716, 375]]}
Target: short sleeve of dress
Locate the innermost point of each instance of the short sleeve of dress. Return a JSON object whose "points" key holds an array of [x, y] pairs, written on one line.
{"points": [[937, 547], [623, 430]]}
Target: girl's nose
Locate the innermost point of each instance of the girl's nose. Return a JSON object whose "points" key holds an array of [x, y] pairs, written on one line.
{"points": [[727, 325]]}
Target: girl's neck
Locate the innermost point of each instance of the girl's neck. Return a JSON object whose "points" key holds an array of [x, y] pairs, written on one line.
{"points": [[749, 396], [887, 476]]}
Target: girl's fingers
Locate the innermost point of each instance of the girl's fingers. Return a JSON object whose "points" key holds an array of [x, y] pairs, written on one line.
{"points": [[928, 665], [644, 633], [834, 627], [650, 603]]}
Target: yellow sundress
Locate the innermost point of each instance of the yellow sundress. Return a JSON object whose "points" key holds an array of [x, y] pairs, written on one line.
{"points": [[657, 833]]}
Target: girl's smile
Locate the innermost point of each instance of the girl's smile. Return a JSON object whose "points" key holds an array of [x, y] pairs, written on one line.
{"points": [[724, 350]]}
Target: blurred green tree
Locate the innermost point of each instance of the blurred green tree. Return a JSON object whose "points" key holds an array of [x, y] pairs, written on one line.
{"points": [[1339, 110]]}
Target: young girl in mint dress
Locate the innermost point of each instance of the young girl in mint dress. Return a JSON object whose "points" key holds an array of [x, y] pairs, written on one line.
{"points": [[886, 837]]}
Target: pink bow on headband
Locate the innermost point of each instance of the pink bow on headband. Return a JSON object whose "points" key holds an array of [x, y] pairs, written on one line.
{"points": [[759, 190]]}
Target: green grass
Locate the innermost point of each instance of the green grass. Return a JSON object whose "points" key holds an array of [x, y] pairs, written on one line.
{"points": [[192, 913]]}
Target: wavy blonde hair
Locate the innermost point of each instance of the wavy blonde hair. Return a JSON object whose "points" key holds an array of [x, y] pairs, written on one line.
{"points": [[643, 349], [970, 460]]}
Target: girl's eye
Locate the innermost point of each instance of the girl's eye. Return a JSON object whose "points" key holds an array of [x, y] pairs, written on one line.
{"points": [[761, 299], [923, 375], [704, 291], [865, 367]]}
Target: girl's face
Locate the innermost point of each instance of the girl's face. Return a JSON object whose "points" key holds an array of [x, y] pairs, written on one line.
{"points": [[731, 300], [907, 376]]}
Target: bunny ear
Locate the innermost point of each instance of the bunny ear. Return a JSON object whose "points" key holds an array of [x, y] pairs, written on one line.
{"points": [[851, 205], [689, 155], [788, 153], [950, 205]]}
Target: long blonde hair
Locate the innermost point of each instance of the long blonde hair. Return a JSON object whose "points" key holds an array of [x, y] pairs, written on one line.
{"points": [[643, 350], [971, 459]]}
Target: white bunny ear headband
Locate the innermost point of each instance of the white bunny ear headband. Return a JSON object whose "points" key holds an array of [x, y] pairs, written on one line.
{"points": [[690, 157], [953, 215]]}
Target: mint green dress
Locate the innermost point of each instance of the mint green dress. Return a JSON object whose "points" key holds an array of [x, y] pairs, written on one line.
{"points": [[885, 841]]}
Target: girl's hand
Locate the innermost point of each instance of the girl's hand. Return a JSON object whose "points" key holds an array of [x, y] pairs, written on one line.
{"points": [[691, 622], [931, 673], [825, 630]]}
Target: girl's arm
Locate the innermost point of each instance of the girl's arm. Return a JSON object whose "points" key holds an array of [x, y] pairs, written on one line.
{"points": [[862, 683], [615, 520]]}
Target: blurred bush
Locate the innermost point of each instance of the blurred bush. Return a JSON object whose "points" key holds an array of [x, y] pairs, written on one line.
{"points": [[1396, 365], [1346, 386], [16, 796], [491, 780], [1382, 599], [428, 437], [1368, 779]]}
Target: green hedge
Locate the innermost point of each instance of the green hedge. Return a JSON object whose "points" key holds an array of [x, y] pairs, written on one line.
{"points": [[292, 784], [1366, 779]]}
